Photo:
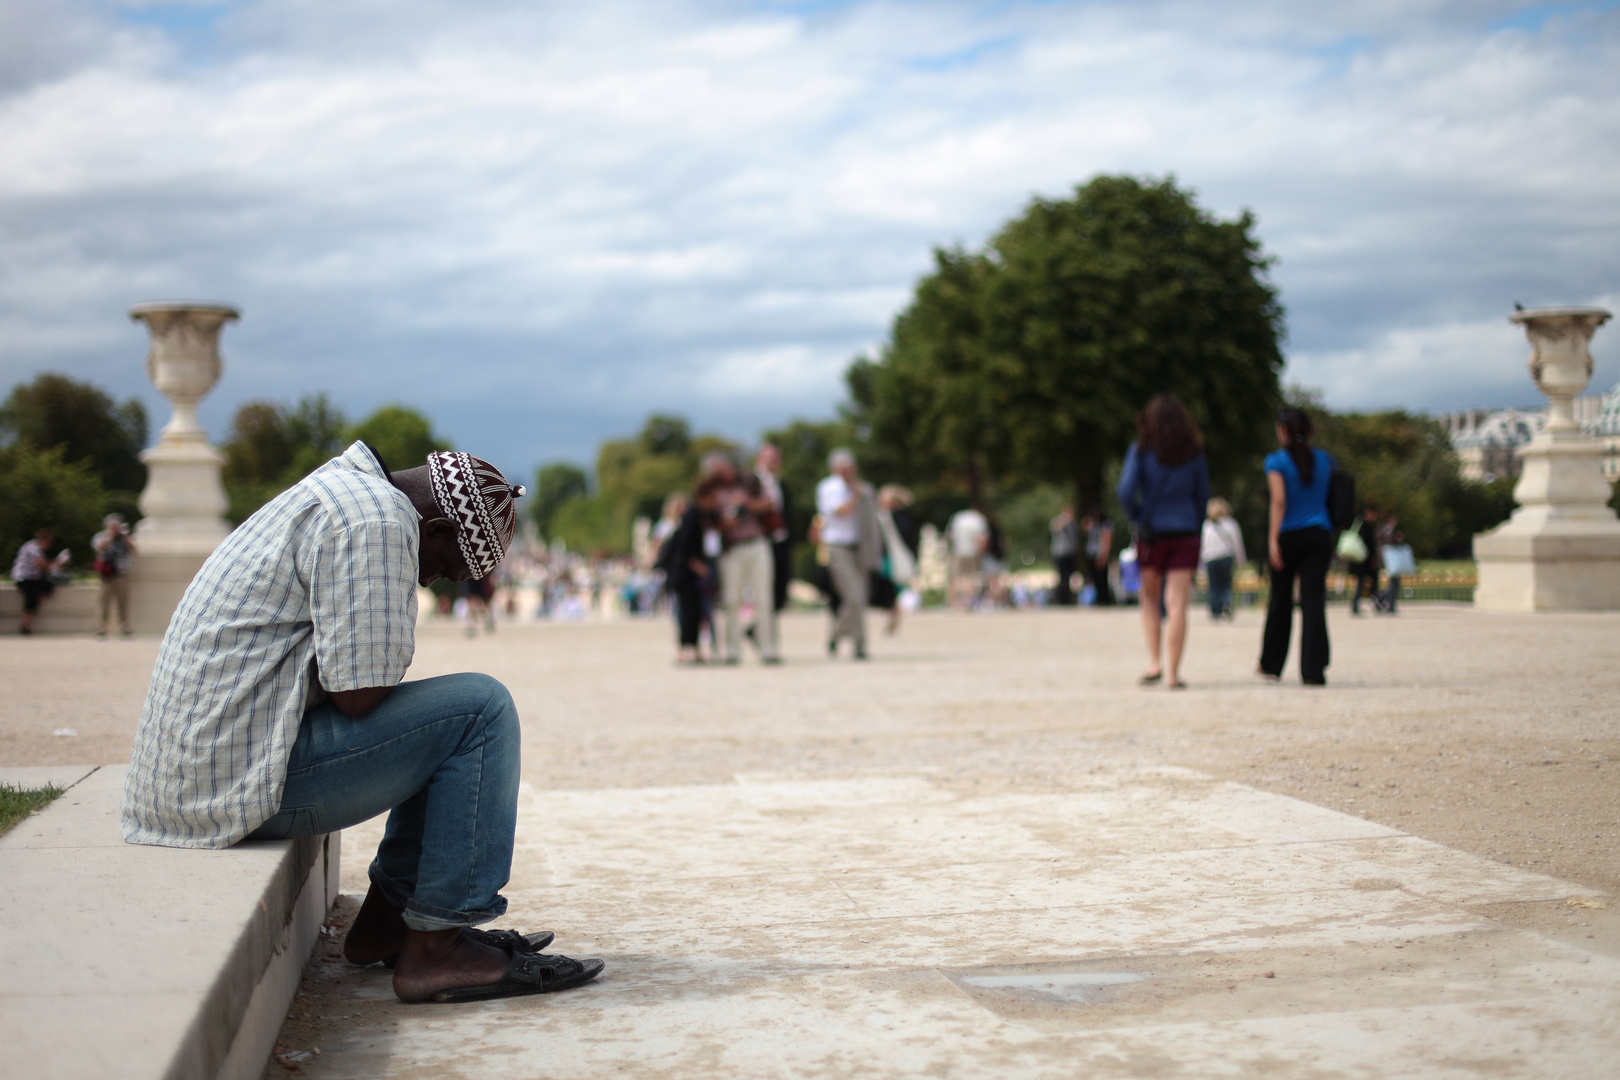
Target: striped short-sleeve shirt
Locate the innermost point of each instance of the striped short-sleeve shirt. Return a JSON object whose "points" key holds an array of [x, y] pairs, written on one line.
{"points": [[315, 592]]}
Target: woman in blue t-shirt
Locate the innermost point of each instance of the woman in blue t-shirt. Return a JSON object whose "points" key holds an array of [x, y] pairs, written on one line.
{"points": [[1301, 542]]}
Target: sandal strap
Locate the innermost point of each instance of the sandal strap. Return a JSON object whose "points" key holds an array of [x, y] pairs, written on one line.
{"points": [[542, 969], [510, 940]]}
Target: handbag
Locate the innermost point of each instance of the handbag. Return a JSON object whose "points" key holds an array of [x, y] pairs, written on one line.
{"points": [[1352, 548], [1398, 560]]}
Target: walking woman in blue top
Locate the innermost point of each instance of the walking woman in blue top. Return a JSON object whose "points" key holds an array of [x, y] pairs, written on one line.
{"points": [[1164, 488], [1301, 543]]}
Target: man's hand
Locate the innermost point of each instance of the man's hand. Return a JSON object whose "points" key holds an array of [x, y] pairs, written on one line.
{"points": [[357, 703]]}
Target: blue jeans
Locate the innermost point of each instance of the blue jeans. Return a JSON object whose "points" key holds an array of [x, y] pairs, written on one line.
{"points": [[442, 756]]}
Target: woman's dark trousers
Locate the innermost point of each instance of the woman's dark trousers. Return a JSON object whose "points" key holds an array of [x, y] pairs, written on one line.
{"points": [[1065, 571], [1366, 585], [1220, 585], [689, 611], [1306, 554]]}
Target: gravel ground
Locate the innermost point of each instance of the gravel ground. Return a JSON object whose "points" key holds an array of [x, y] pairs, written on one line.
{"points": [[1494, 734]]}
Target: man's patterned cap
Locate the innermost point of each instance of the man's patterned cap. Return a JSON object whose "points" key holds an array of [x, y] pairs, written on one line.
{"points": [[472, 493]]}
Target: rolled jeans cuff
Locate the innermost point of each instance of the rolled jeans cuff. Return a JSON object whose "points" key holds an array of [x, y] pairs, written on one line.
{"points": [[419, 916]]}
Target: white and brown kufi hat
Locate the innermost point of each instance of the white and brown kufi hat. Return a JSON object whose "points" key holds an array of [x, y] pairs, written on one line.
{"points": [[472, 493]]}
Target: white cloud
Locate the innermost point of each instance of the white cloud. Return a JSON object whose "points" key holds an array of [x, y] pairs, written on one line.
{"points": [[541, 221]]}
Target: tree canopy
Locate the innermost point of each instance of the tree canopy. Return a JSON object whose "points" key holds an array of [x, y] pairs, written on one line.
{"points": [[403, 436], [41, 489], [1404, 462], [554, 485], [272, 446], [633, 478], [85, 422], [1027, 362]]}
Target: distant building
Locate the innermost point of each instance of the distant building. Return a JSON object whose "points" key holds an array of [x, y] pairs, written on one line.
{"points": [[1488, 440], [1607, 429]]}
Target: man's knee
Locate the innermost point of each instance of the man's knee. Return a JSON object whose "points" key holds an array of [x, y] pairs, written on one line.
{"points": [[487, 696]]}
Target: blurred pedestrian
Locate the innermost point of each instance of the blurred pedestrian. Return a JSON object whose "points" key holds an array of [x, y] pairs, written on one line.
{"points": [[688, 568], [854, 544], [1365, 571], [993, 565], [1299, 543], [746, 566], [1399, 562], [1097, 532], [1065, 529], [1221, 550], [32, 571], [778, 521], [115, 557], [1164, 488], [473, 603], [899, 559], [968, 532]]}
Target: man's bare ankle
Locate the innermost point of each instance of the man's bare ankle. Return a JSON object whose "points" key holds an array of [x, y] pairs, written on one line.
{"points": [[377, 933], [434, 960]]}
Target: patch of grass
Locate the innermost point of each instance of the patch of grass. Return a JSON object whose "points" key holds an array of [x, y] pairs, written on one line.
{"points": [[17, 803]]}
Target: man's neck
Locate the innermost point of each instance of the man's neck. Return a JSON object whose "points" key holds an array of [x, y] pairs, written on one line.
{"points": [[416, 486]]}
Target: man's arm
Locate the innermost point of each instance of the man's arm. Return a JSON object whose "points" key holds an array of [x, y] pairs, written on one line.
{"points": [[362, 602], [357, 703]]}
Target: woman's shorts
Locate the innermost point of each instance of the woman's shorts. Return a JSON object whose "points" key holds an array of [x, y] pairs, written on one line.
{"points": [[1170, 553]]}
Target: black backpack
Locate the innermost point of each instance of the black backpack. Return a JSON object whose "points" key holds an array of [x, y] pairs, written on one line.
{"points": [[1341, 499]]}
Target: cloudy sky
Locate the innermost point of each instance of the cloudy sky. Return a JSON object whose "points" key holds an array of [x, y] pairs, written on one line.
{"points": [[538, 222]]}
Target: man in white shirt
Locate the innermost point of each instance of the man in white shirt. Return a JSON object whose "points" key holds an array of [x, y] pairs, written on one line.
{"points": [[969, 534], [276, 710], [849, 530]]}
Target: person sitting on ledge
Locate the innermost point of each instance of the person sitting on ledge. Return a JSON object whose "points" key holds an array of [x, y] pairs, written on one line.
{"points": [[276, 710]]}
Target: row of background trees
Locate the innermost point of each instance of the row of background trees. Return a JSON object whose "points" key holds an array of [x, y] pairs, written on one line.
{"points": [[1010, 382], [70, 454]]}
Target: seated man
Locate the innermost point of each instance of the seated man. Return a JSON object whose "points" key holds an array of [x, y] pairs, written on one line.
{"points": [[276, 710]]}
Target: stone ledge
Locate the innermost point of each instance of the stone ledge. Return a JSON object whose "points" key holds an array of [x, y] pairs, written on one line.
{"points": [[71, 609], [120, 960], [1576, 542]]}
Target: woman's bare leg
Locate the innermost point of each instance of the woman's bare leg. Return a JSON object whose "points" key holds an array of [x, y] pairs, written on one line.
{"points": [[1177, 594], [1151, 585]]}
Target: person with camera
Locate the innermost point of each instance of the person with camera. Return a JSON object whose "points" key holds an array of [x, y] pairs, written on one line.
{"points": [[115, 557]]}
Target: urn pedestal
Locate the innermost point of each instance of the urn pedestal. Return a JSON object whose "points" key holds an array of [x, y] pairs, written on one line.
{"points": [[1561, 549], [183, 506]]}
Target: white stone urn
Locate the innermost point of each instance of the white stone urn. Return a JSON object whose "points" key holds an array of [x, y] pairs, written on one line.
{"points": [[183, 362], [1560, 357], [1561, 549], [183, 505]]}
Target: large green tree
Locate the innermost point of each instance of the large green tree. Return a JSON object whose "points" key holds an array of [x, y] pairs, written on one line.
{"points": [[270, 447], [1404, 462], [403, 436], [85, 422], [554, 485], [1028, 362], [41, 489], [633, 478]]}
